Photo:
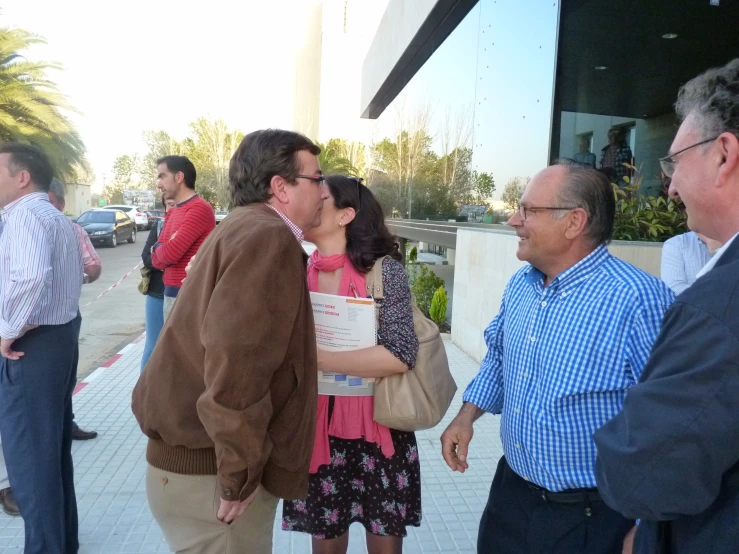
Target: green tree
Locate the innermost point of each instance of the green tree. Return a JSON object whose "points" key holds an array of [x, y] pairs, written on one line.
{"points": [[513, 191], [31, 107], [424, 286], [334, 158], [483, 186], [437, 312], [125, 171], [210, 147]]}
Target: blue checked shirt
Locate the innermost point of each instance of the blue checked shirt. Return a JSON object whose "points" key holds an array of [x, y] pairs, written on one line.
{"points": [[560, 360], [40, 266]]}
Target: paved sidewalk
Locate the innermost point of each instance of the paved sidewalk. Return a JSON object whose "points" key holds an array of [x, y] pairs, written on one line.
{"points": [[110, 470]]}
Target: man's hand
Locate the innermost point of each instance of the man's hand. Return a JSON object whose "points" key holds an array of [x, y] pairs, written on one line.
{"points": [[456, 439], [7, 352], [6, 345], [629, 541], [188, 267], [231, 510]]}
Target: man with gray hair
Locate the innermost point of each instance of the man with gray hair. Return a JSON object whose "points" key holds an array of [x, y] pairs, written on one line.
{"points": [[572, 335], [671, 457]]}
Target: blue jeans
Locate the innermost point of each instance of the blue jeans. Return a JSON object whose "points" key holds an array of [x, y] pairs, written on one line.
{"points": [[154, 324]]}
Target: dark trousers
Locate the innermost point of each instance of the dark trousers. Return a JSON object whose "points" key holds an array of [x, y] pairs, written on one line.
{"points": [[517, 521], [36, 426]]}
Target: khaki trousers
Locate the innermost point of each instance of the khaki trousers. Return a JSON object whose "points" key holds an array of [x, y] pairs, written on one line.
{"points": [[185, 507]]}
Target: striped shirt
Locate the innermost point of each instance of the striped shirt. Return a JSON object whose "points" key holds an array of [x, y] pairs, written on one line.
{"points": [[90, 257], [186, 227], [560, 360], [683, 257], [294, 228], [40, 266]]}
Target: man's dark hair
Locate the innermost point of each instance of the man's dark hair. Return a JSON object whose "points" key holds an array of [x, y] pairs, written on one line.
{"points": [[590, 189], [367, 236], [175, 164], [25, 157], [262, 155]]}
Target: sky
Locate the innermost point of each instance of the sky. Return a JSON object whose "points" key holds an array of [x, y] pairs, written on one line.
{"points": [[499, 62], [160, 64]]}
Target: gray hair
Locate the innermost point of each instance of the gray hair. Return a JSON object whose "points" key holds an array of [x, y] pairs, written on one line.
{"points": [[57, 187], [714, 98], [587, 188]]}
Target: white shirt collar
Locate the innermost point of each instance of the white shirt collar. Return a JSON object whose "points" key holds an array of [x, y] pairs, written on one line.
{"points": [[713, 261]]}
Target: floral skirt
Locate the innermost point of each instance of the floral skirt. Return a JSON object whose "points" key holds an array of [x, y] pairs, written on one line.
{"points": [[361, 484]]}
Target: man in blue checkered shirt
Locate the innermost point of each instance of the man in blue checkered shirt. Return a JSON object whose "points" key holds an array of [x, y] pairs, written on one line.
{"points": [[573, 333]]}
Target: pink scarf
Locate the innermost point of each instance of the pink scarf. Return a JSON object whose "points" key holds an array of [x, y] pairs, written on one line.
{"points": [[353, 416]]}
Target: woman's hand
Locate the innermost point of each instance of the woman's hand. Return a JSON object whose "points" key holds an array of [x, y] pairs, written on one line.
{"points": [[323, 357]]}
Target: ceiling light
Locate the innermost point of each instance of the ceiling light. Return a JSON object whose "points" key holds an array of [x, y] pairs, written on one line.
{"points": [[669, 36], [601, 67]]}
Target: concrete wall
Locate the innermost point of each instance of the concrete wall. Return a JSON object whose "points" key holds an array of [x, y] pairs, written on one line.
{"points": [[78, 198], [307, 84], [398, 26], [485, 262]]}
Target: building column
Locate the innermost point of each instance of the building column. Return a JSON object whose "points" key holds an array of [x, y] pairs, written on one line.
{"points": [[421, 247], [451, 255]]}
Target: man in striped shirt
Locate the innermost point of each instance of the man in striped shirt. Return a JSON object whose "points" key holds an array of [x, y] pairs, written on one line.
{"points": [[186, 227], [40, 285], [573, 334]]}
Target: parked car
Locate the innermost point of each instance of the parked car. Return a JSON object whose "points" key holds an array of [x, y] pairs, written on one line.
{"points": [[220, 216], [108, 227], [136, 214], [154, 217]]}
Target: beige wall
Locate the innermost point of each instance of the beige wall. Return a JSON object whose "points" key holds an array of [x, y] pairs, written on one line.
{"points": [[485, 262], [77, 198]]}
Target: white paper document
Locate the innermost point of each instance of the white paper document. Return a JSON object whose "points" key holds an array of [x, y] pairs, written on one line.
{"points": [[344, 323]]}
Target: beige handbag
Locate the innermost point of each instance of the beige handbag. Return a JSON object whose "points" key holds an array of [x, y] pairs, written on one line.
{"points": [[419, 398]]}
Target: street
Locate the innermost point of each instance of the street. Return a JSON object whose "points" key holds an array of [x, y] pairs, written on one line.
{"points": [[115, 318]]}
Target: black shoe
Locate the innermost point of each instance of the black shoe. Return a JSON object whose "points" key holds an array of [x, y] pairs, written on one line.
{"points": [[80, 435], [10, 506]]}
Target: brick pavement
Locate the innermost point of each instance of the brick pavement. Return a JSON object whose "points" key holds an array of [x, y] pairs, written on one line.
{"points": [[110, 471]]}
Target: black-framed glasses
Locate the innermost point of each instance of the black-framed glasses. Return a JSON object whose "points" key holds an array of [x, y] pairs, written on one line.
{"points": [[524, 211], [318, 179], [668, 162]]}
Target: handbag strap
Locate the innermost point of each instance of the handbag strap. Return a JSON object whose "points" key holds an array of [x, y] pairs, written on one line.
{"points": [[374, 280]]}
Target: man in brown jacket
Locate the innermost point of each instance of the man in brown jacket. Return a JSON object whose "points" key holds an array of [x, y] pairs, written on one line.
{"points": [[228, 397]]}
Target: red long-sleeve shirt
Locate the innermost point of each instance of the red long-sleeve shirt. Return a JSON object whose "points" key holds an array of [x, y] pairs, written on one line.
{"points": [[186, 227]]}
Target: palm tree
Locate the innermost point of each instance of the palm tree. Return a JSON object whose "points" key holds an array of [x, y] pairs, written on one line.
{"points": [[332, 158], [31, 107]]}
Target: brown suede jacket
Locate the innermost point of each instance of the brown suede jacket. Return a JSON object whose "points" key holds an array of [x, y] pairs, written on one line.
{"points": [[231, 387]]}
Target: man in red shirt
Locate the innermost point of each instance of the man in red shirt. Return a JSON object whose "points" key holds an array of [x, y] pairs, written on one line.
{"points": [[186, 226]]}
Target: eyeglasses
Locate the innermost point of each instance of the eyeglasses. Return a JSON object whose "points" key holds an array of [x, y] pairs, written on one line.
{"points": [[668, 162], [524, 211], [319, 180]]}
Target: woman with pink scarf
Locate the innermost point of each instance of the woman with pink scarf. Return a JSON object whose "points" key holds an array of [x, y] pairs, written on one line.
{"points": [[360, 471]]}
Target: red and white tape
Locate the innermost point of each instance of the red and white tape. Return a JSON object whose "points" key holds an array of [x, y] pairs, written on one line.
{"points": [[114, 285]]}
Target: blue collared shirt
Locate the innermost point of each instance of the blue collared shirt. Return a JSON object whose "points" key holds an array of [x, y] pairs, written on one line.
{"points": [[560, 360], [40, 266], [683, 256]]}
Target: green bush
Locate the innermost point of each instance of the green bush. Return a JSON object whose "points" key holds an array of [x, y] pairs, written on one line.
{"points": [[646, 218], [413, 256], [438, 306], [423, 287]]}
